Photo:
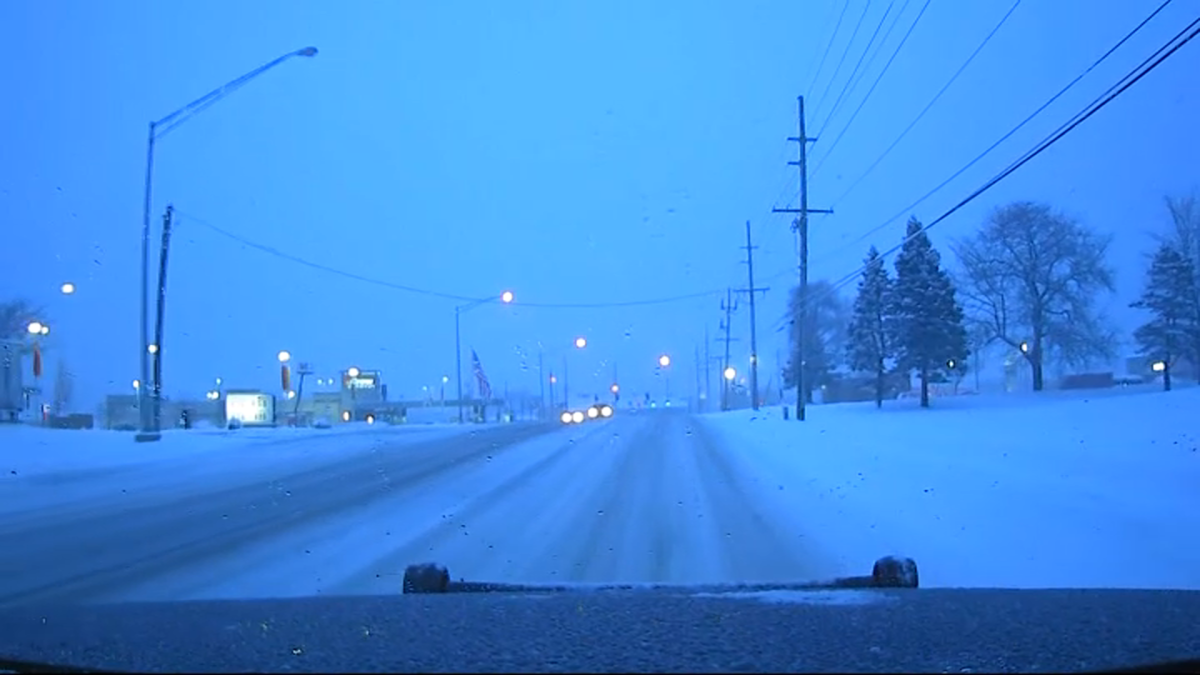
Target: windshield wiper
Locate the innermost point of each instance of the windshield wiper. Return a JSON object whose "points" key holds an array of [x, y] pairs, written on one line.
{"points": [[888, 572]]}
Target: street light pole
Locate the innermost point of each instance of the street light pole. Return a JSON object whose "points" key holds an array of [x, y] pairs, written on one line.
{"points": [[143, 409], [157, 130], [458, 361], [505, 297]]}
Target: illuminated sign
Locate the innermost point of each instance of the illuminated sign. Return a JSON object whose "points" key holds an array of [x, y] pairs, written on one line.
{"points": [[367, 379], [250, 408]]}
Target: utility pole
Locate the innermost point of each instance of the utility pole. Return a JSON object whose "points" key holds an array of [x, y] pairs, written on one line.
{"points": [[158, 319], [707, 370], [541, 388], [751, 290], [800, 226], [729, 306]]}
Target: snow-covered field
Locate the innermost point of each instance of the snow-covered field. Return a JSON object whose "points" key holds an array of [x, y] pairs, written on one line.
{"points": [[1061, 490]]}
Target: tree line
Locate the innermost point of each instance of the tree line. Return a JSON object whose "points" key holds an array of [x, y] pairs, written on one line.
{"points": [[1031, 278]]}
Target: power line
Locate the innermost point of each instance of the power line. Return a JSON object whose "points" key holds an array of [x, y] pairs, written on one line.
{"points": [[845, 52], [1021, 125], [851, 79], [1154, 60], [434, 293], [874, 84], [1114, 91], [832, 35], [931, 103]]}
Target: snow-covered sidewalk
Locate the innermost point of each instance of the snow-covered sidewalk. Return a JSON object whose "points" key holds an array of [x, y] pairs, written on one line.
{"points": [[1083, 491]]}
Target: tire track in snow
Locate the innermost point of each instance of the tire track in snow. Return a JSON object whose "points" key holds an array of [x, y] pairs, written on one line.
{"points": [[80, 561]]}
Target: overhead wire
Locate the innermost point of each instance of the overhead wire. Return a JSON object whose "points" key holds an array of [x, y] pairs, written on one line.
{"points": [[852, 79], [845, 53], [270, 250], [1103, 57], [828, 45], [1122, 85], [931, 103], [1147, 65], [830, 148]]}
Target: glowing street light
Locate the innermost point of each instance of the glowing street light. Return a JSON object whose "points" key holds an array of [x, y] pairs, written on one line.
{"points": [[1024, 347], [730, 373], [664, 360], [136, 385], [149, 415], [445, 379], [506, 297], [353, 372], [35, 327], [614, 389], [580, 342], [285, 356], [152, 348], [67, 288], [45, 329]]}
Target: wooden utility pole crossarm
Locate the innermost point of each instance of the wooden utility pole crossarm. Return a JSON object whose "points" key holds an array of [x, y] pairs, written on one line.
{"points": [[800, 226]]}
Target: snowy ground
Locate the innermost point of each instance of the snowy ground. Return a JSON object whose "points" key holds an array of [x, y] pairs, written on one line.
{"points": [[41, 468], [1068, 489], [1057, 491]]}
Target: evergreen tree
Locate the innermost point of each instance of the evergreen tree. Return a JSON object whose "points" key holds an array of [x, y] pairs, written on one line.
{"points": [[1171, 298], [869, 347], [927, 326]]}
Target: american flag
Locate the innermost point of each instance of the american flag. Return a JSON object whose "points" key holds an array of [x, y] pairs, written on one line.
{"points": [[485, 387]]}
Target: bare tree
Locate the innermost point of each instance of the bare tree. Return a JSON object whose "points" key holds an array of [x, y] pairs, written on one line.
{"points": [[1184, 236], [1030, 278], [15, 316], [825, 340]]}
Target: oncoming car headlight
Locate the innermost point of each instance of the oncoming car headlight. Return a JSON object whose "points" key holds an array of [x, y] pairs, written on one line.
{"points": [[565, 417], [577, 416], [593, 412], [606, 411]]}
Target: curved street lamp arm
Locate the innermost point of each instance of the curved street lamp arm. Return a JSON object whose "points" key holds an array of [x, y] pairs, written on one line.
{"points": [[166, 124]]}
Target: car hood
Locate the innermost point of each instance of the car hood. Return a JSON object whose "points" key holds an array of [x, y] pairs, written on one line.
{"points": [[721, 628]]}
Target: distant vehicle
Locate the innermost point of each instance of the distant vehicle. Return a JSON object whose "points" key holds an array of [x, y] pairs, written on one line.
{"points": [[321, 423], [600, 411], [597, 411], [572, 417]]}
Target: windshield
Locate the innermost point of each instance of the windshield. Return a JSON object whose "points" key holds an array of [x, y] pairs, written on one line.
{"points": [[542, 292]]}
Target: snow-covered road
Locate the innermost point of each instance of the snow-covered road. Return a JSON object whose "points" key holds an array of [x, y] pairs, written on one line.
{"points": [[1040, 492], [638, 498]]}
